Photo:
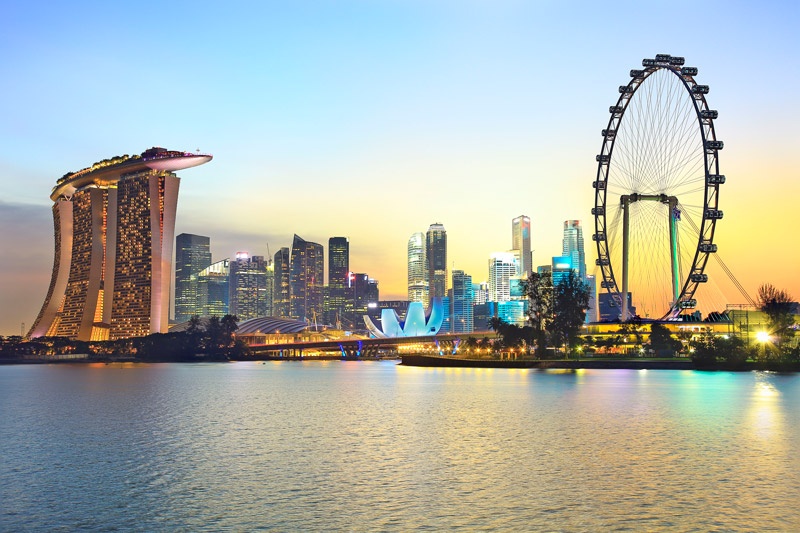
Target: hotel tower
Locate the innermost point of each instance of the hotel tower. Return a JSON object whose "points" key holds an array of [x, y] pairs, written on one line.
{"points": [[114, 233]]}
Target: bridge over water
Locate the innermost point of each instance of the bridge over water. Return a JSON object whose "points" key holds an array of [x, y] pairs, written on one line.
{"points": [[363, 348]]}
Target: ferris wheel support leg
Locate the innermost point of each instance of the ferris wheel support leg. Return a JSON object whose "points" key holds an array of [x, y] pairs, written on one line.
{"points": [[673, 248], [626, 205]]}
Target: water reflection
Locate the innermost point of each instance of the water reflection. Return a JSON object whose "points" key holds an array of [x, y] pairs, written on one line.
{"points": [[375, 446], [765, 414]]}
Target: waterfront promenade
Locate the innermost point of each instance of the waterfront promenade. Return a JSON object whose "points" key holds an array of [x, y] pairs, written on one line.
{"points": [[438, 361], [422, 360]]}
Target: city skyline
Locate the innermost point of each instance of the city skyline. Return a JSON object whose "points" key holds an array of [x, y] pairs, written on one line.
{"points": [[492, 110]]}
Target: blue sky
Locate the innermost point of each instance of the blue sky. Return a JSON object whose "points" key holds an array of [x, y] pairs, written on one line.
{"points": [[373, 120]]}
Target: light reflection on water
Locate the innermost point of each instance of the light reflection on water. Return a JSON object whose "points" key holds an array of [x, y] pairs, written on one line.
{"points": [[375, 446]]}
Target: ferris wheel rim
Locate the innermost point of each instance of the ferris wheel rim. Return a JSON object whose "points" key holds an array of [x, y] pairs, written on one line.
{"points": [[704, 121]]}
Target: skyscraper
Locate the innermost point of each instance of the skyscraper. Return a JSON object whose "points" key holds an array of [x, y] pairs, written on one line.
{"points": [[461, 300], [192, 254], [436, 257], [481, 292], [338, 269], [561, 268], [506, 297], [502, 267], [521, 242], [281, 297], [572, 246], [307, 280], [609, 309], [248, 286], [212, 289], [365, 292], [270, 292], [417, 270], [591, 312], [114, 232]]}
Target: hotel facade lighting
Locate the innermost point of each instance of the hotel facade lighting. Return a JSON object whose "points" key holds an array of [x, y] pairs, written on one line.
{"points": [[114, 228]]}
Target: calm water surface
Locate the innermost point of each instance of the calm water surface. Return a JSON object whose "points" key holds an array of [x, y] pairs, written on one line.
{"points": [[376, 446]]}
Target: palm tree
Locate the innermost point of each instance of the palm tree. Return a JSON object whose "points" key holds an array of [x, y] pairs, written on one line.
{"points": [[497, 324]]}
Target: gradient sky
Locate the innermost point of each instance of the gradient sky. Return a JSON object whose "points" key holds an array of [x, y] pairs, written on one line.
{"points": [[374, 119]]}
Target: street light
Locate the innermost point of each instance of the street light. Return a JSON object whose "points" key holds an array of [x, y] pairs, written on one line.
{"points": [[763, 338]]}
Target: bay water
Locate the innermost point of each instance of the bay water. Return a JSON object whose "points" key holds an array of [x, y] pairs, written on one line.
{"points": [[376, 446]]}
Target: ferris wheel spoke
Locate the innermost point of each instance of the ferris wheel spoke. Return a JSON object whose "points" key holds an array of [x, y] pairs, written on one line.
{"points": [[656, 181]]}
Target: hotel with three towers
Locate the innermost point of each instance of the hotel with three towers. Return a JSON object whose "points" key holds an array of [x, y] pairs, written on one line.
{"points": [[114, 232]]}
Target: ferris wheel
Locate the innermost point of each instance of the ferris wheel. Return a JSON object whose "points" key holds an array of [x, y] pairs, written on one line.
{"points": [[657, 191]]}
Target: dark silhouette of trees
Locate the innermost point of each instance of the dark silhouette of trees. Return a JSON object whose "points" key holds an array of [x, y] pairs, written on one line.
{"points": [[662, 341], [496, 324], [556, 311], [720, 352], [630, 331], [177, 346], [570, 301], [218, 338], [471, 342], [539, 290], [511, 335], [195, 326], [215, 340], [778, 306]]}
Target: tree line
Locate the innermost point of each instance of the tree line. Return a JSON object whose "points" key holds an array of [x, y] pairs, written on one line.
{"points": [[557, 311], [555, 314], [776, 350], [211, 339]]}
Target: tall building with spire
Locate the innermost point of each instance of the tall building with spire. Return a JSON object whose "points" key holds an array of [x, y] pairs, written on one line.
{"points": [[192, 255], [521, 243], [417, 270], [114, 236], [436, 258]]}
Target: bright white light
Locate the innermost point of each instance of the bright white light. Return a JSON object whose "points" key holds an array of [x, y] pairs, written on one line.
{"points": [[762, 336]]}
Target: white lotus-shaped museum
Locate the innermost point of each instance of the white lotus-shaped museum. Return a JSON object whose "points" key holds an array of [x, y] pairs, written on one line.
{"points": [[418, 323]]}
